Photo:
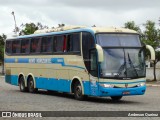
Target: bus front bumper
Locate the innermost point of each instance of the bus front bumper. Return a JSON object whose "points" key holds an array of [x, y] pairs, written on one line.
{"points": [[121, 91]]}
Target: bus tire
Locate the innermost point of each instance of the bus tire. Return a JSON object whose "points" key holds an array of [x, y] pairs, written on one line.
{"points": [[31, 88], [116, 98], [78, 91], [22, 84]]}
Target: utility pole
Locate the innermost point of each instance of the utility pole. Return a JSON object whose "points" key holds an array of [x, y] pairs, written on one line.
{"points": [[16, 28]]}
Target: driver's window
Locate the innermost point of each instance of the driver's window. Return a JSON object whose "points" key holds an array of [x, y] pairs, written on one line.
{"points": [[93, 63]]}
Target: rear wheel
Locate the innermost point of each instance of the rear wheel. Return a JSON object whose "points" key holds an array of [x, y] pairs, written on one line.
{"points": [[31, 86], [22, 85], [116, 98], [78, 91]]}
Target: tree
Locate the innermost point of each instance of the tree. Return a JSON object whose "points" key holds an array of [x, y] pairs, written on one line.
{"points": [[2, 41], [151, 37], [30, 28], [131, 25]]}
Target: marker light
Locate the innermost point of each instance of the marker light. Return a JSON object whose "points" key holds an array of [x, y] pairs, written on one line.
{"points": [[107, 85], [141, 84]]}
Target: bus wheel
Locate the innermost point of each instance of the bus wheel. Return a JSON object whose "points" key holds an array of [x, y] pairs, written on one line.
{"points": [[31, 86], [78, 91], [116, 98], [22, 85]]}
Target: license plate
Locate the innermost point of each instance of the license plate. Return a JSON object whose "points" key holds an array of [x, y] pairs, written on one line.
{"points": [[126, 93]]}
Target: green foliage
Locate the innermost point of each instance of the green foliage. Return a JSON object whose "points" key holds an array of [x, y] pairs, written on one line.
{"points": [[2, 41], [150, 35], [30, 28], [131, 25]]}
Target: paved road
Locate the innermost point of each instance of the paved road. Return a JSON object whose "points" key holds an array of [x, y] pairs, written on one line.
{"points": [[12, 99]]}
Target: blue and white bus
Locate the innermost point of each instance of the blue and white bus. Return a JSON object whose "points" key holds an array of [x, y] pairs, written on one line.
{"points": [[102, 62]]}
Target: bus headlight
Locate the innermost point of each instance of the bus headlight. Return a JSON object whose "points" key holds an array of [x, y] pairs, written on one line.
{"points": [[107, 85], [141, 84]]}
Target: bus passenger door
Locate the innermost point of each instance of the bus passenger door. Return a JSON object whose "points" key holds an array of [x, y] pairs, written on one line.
{"points": [[93, 72]]}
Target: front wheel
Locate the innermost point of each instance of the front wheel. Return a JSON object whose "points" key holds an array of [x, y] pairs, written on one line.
{"points": [[31, 86], [78, 91], [116, 98]]}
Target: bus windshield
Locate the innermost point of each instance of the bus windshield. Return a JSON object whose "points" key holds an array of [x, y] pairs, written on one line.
{"points": [[123, 63], [116, 40], [123, 56]]}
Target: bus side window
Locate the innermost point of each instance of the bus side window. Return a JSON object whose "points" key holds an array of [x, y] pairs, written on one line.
{"points": [[73, 42], [35, 45], [16, 46], [58, 43], [64, 43], [54, 43], [69, 41], [25, 46], [87, 44], [9, 47], [46, 45], [76, 42]]}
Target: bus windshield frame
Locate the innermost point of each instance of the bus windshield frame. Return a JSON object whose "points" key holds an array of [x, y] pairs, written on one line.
{"points": [[129, 59]]}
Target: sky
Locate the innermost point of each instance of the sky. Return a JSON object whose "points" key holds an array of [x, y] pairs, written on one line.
{"points": [[109, 13]]}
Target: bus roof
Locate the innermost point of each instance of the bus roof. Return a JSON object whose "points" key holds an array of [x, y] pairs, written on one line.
{"points": [[112, 30], [68, 29]]}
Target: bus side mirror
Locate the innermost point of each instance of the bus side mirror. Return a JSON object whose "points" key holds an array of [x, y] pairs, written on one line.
{"points": [[100, 53], [152, 52]]}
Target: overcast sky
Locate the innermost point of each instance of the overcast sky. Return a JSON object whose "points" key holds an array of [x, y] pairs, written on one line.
{"points": [[77, 12]]}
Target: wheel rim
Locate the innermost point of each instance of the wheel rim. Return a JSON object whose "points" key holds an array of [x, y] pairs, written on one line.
{"points": [[78, 91], [22, 87], [31, 85]]}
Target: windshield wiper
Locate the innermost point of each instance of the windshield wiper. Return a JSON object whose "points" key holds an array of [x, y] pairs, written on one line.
{"points": [[131, 64], [123, 66]]}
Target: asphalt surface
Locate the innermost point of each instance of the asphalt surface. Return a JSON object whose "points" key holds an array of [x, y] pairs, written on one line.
{"points": [[11, 99]]}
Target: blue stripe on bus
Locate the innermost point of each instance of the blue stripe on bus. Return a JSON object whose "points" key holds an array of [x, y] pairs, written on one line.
{"points": [[35, 61], [53, 84], [9, 60], [63, 85], [12, 79]]}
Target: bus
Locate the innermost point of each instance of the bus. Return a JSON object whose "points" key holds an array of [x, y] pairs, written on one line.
{"points": [[84, 61]]}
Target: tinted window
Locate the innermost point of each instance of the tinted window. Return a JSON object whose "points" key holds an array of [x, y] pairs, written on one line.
{"points": [[9, 47], [25, 46], [73, 42], [106, 40], [35, 45], [46, 44], [93, 62], [16, 46], [58, 43], [87, 44]]}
